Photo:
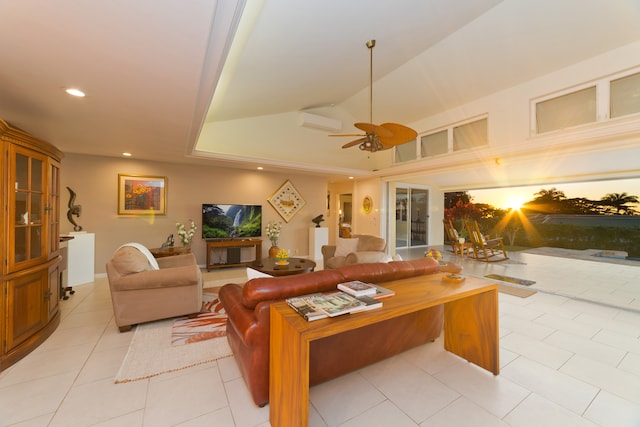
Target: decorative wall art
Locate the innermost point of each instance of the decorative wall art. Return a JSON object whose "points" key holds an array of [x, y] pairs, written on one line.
{"points": [[142, 195], [287, 201], [367, 204]]}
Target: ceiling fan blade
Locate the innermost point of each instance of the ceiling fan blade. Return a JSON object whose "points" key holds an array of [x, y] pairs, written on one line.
{"points": [[401, 133], [354, 142], [375, 129], [348, 134]]}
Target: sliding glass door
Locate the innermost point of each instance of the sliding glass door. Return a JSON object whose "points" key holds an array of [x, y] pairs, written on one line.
{"points": [[412, 215]]}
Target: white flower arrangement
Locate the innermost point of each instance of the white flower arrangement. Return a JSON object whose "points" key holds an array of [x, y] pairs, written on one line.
{"points": [[186, 235], [273, 231]]}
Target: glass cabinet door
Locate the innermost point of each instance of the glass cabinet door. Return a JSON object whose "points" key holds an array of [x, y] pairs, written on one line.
{"points": [[27, 203], [53, 208]]}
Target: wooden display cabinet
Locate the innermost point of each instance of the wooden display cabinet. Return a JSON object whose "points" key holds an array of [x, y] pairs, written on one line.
{"points": [[29, 280]]}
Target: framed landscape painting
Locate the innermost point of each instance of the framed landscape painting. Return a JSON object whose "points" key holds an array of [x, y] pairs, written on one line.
{"points": [[142, 195]]}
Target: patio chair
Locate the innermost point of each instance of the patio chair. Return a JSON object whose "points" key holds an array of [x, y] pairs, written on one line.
{"points": [[485, 249], [453, 238]]}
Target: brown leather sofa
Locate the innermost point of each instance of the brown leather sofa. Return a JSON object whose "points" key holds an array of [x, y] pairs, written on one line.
{"points": [[247, 309], [144, 289]]}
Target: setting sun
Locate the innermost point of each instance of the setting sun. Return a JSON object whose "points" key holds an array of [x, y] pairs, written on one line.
{"points": [[515, 203]]}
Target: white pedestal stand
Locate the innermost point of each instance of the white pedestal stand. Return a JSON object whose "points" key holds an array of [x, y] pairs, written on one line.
{"points": [[318, 236], [80, 268]]}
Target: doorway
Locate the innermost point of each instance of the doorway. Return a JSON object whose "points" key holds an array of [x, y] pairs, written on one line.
{"points": [[412, 215], [345, 215]]}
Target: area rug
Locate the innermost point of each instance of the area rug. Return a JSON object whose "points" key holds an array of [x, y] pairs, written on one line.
{"points": [[517, 292], [509, 279], [210, 323], [151, 352]]}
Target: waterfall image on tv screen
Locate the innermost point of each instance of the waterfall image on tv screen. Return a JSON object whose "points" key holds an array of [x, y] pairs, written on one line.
{"points": [[231, 221]]}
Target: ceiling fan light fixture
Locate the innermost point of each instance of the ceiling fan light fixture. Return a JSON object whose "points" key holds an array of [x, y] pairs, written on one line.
{"points": [[378, 137]]}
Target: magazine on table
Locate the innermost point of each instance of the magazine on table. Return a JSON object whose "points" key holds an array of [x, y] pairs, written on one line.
{"points": [[304, 307], [336, 303], [357, 288], [382, 292], [369, 303], [318, 306]]}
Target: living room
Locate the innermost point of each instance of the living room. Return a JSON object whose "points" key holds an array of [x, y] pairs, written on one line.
{"points": [[207, 160]]}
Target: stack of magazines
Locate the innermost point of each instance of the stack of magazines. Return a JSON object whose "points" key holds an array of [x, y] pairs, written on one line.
{"points": [[358, 289], [318, 306]]}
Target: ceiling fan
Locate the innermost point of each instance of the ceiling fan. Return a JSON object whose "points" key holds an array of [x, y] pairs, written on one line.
{"points": [[378, 137]]}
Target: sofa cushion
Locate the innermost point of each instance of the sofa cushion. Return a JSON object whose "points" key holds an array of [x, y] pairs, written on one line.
{"points": [[345, 246], [129, 260]]}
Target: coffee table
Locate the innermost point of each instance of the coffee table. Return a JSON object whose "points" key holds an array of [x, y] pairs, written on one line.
{"points": [[470, 331], [295, 266]]}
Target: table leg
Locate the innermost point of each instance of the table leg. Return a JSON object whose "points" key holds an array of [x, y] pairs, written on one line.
{"points": [[471, 329], [288, 374]]}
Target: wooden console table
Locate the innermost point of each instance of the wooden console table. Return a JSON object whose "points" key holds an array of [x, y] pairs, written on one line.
{"points": [[228, 244], [470, 331], [169, 251]]}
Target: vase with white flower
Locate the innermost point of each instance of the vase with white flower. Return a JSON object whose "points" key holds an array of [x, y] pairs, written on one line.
{"points": [[186, 235], [273, 230]]}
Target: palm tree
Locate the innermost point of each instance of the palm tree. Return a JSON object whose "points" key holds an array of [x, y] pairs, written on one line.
{"points": [[547, 201], [618, 203]]}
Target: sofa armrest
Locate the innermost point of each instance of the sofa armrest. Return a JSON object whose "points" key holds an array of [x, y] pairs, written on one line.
{"points": [[362, 257], [164, 278], [328, 251]]}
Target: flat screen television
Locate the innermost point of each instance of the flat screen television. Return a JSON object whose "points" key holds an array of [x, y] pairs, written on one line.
{"points": [[231, 221]]}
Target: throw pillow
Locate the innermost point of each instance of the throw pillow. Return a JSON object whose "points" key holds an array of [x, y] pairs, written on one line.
{"points": [[345, 246]]}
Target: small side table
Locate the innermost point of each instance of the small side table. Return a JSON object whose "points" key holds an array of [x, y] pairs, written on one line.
{"points": [[169, 251]]}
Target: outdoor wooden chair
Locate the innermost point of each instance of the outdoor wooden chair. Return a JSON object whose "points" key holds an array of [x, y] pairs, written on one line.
{"points": [[485, 249], [453, 239]]}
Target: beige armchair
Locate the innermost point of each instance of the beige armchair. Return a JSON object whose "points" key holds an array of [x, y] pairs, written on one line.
{"points": [[359, 249], [144, 289]]}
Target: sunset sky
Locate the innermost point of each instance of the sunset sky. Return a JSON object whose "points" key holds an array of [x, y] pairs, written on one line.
{"points": [[505, 198]]}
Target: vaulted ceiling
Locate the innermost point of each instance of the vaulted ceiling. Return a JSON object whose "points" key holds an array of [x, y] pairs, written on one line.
{"points": [[155, 71]]}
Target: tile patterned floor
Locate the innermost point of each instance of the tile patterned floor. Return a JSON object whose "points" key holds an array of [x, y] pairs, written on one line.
{"points": [[564, 361]]}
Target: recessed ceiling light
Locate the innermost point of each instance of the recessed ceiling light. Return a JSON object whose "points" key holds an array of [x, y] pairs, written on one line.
{"points": [[75, 92], [260, 168], [126, 154]]}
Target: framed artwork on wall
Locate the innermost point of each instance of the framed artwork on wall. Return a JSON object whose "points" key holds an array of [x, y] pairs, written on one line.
{"points": [[142, 195], [287, 201], [367, 204]]}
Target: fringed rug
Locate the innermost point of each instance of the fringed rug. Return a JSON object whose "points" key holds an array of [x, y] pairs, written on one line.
{"points": [[151, 352]]}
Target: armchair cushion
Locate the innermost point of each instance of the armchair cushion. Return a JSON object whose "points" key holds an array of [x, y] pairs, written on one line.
{"points": [[371, 243], [362, 257], [345, 246]]}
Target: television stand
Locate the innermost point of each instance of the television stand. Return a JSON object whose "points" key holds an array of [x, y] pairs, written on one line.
{"points": [[233, 250]]}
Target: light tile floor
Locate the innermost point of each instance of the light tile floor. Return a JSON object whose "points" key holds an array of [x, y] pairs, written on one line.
{"points": [[565, 361]]}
